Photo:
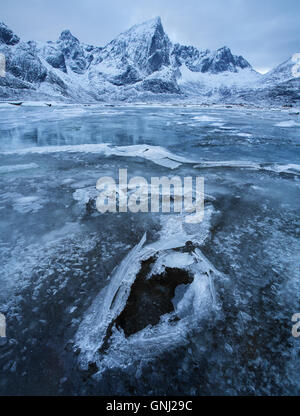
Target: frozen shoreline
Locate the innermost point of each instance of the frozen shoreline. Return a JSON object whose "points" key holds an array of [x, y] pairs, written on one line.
{"points": [[114, 104]]}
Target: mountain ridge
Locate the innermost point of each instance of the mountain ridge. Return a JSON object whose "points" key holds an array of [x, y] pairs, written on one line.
{"points": [[140, 64]]}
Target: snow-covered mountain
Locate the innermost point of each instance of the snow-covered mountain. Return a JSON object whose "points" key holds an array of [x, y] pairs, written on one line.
{"points": [[139, 59], [283, 72], [140, 64]]}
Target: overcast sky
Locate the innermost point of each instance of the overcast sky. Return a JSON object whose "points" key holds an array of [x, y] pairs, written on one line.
{"points": [[265, 32]]}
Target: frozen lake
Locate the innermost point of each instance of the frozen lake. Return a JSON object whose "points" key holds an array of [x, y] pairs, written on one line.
{"points": [[228, 318]]}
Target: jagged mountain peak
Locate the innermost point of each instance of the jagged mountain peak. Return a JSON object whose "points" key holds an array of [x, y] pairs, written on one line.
{"points": [[66, 35], [145, 47], [150, 25], [73, 53], [7, 36], [156, 20], [144, 31], [224, 54], [220, 60], [224, 49]]}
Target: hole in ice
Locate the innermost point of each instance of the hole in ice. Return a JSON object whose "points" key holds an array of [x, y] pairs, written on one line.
{"points": [[149, 299]]}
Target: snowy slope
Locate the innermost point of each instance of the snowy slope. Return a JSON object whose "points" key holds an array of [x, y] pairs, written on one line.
{"points": [[284, 72]]}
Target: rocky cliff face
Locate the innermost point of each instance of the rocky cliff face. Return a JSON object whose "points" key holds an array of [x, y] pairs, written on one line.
{"points": [[140, 57], [213, 62], [7, 36], [139, 64], [145, 47]]}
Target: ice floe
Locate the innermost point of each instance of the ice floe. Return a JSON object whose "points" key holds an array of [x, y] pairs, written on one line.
{"points": [[247, 135], [288, 123], [16, 168], [206, 119], [155, 154], [291, 168], [228, 164]]}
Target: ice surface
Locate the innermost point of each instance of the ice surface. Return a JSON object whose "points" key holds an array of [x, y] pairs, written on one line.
{"points": [[84, 195], [56, 251], [28, 204]]}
